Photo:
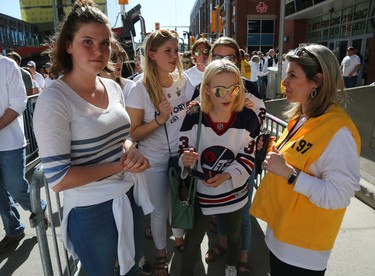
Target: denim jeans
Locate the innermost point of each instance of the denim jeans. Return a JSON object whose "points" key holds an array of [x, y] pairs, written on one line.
{"points": [[245, 222], [97, 245], [13, 184], [92, 230], [194, 237], [350, 82]]}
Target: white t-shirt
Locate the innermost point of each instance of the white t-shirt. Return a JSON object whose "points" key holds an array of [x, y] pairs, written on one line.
{"points": [[348, 63], [155, 146], [41, 81], [13, 96], [194, 75]]}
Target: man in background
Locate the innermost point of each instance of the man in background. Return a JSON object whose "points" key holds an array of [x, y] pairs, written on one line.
{"points": [[26, 76], [350, 66], [37, 76], [13, 183]]}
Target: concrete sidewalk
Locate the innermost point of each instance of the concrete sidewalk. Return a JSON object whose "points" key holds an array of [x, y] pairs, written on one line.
{"points": [[353, 254]]}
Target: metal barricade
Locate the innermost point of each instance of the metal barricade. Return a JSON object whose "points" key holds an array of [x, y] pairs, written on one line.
{"points": [[36, 221], [38, 181]]}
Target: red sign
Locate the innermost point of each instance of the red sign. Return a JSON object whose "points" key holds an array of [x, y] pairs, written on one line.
{"points": [[262, 7]]}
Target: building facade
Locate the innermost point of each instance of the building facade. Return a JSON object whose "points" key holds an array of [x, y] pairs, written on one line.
{"points": [[255, 24]]}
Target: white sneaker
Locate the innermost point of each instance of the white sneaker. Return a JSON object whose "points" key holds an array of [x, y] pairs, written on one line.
{"points": [[230, 270]]}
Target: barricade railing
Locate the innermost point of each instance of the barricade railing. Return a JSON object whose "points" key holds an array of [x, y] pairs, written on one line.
{"points": [[31, 145], [36, 221]]}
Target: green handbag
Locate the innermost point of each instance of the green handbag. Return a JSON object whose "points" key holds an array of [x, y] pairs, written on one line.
{"points": [[183, 193]]}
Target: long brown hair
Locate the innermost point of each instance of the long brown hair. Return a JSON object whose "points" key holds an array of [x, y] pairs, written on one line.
{"points": [[83, 12], [150, 74]]}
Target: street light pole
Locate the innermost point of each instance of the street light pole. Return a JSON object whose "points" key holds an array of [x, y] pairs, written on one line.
{"points": [[281, 44]]}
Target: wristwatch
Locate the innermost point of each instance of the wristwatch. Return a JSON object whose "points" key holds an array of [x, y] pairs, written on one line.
{"points": [[293, 176]]}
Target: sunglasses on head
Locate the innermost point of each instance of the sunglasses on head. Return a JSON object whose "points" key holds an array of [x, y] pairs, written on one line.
{"points": [[299, 52], [228, 57], [221, 92], [201, 52]]}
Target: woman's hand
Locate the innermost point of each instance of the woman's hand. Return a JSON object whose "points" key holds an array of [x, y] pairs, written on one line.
{"points": [[217, 180], [249, 104], [133, 161], [165, 109], [189, 157], [192, 104], [276, 163]]}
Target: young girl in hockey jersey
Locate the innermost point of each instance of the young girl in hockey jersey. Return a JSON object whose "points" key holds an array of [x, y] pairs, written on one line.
{"points": [[225, 154]]}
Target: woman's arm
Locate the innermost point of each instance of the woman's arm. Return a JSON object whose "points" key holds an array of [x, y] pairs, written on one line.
{"points": [[337, 171], [140, 129]]}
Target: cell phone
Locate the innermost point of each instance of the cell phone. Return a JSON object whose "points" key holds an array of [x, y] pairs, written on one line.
{"points": [[261, 155], [198, 174]]}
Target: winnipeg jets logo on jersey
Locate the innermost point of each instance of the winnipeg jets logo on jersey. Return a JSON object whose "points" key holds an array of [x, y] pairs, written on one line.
{"points": [[216, 159]]}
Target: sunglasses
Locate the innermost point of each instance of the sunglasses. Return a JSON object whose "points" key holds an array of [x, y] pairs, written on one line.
{"points": [[221, 92], [186, 61], [115, 57], [228, 57], [299, 52], [201, 52]]}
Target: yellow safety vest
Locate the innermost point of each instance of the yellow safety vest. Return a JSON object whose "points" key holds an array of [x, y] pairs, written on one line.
{"points": [[293, 218]]}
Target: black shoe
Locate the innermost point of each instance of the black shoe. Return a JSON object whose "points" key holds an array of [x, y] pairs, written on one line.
{"points": [[145, 267], [8, 242]]}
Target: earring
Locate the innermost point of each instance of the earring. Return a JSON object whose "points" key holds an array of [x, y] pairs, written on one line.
{"points": [[313, 93]]}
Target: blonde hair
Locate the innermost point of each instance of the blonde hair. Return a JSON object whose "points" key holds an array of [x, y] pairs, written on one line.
{"points": [[212, 70], [150, 74], [314, 59]]}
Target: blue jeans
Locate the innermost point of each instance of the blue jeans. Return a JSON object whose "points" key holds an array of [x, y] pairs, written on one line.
{"points": [[13, 184], [104, 224], [92, 230], [245, 222], [350, 82]]}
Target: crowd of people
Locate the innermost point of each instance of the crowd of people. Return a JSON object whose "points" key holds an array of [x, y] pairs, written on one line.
{"points": [[105, 140]]}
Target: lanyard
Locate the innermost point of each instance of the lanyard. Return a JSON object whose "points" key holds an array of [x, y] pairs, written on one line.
{"points": [[293, 131]]}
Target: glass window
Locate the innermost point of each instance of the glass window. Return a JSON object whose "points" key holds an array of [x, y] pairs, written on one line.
{"points": [[334, 32], [253, 39], [260, 33], [361, 11], [254, 26], [325, 34], [303, 4], [267, 26], [347, 15], [359, 27], [370, 26], [325, 21], [335, 18], [346, 29], [289, 8]]}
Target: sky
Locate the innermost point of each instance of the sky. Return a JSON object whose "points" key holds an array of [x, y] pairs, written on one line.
{"points": [[170, 13]]}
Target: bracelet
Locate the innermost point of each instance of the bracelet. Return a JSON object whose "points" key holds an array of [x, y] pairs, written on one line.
{"points": [[157, 122]]}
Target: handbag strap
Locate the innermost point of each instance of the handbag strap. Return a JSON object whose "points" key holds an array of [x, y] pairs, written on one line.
{"points": [[166, 134], [193, 180]]}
